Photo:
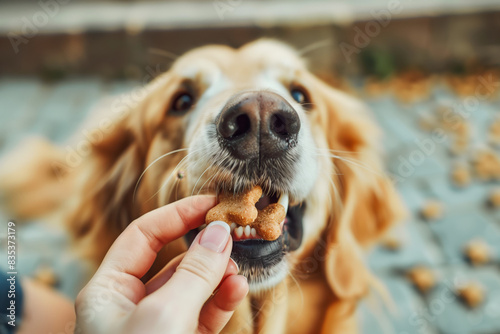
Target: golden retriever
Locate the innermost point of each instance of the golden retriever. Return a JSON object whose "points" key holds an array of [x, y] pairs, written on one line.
{"points": [[224, 119]]}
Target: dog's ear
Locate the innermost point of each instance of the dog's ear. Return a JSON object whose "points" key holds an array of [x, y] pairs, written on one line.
{"points": [[108, 175], [367, 201], [369, 206], [110, 171]]}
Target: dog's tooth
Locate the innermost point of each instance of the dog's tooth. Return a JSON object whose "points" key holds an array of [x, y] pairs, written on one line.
{"points": [[253, 232], [233, 226], [238, 231], [247, 231], [283, 200]]}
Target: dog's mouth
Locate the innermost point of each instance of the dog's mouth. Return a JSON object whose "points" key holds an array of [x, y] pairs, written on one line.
{"points": [[260, 260]]}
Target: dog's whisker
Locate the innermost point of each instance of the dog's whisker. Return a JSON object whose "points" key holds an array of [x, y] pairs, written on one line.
{"points": [[357, 164], [351, 161], [210, 181], [203, 185], [176, 168], [149, 166], [177, 189], [339, 207], [163, 186], [318, 149], [315, 46], [203, 158], [335, 191], [198, 180], [302, 301], [163, 53], [168, 193], [164, 192]]}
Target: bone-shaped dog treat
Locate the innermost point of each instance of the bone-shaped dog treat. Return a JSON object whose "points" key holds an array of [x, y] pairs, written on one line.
{"points": [[240, 209], [268, 221]]}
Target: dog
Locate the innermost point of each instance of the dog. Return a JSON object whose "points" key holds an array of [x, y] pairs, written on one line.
{"points": [[224, 119]]}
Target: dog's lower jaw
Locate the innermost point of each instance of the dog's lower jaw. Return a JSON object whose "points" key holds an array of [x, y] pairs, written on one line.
{"points": [[267, 278]]}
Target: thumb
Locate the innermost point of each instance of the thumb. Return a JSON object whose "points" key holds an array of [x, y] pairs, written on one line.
{"points": [[201, 270]]}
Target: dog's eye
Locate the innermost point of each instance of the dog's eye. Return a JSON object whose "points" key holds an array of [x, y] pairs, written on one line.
{"points": [[299, 95], [182, 103]]}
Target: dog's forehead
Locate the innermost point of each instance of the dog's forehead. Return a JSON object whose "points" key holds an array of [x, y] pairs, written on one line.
{"points": [[249, 61], [271, 53]]}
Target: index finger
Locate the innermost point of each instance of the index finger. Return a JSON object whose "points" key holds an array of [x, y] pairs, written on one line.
{"points": [[134, 251]]}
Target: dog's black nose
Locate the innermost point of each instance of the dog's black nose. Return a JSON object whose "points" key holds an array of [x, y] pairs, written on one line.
{"points": [[258, 125]]}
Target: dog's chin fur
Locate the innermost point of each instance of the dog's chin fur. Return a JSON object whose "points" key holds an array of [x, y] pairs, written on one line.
{"points": [[335, 169], [266, 278]]}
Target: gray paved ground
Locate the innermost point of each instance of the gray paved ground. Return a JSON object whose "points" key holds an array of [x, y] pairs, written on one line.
{"points": [[437, 244], [30, 107]]}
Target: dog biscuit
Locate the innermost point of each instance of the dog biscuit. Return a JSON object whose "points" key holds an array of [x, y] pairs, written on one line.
{"points": [[422, 278], [494, 199], [240, 209], [269, 220], [461, 176], [477, 252], [391, 243], [432, 210], [472, 294]]}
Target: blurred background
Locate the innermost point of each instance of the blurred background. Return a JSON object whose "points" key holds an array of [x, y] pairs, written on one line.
{"points": [[429, 70]]}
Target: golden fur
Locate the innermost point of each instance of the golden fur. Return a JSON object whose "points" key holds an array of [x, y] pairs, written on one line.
{"points": [[350, 206]]}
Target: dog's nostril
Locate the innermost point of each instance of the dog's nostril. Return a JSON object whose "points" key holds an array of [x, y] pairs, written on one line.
{"points": [[240, 126], [278, 125], [284, 123], [234, 125]]}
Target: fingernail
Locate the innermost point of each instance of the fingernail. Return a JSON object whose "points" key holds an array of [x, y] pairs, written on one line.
{"points": [[215, 236], [236, 265]]}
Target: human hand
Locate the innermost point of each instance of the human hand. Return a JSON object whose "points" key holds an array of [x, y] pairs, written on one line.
{"points": [[180, 298]]}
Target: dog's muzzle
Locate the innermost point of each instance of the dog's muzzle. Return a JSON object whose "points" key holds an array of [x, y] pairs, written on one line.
{"points": [[258, 138]]}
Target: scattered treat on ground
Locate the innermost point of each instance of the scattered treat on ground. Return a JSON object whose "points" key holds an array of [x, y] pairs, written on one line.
{"points": [[486, 165], [494, 199], [464, 85], [457, 128], [432, 210], [477, 252], [391, 243], [461, 175], [374, 87], [494, 133], [427, 123], [411, 85], [462, 130], [422, 278], [472, 294], [459, 146]]}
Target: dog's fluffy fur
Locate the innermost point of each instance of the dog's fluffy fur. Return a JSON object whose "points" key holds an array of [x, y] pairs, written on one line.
{"points": [[338, 174]]}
